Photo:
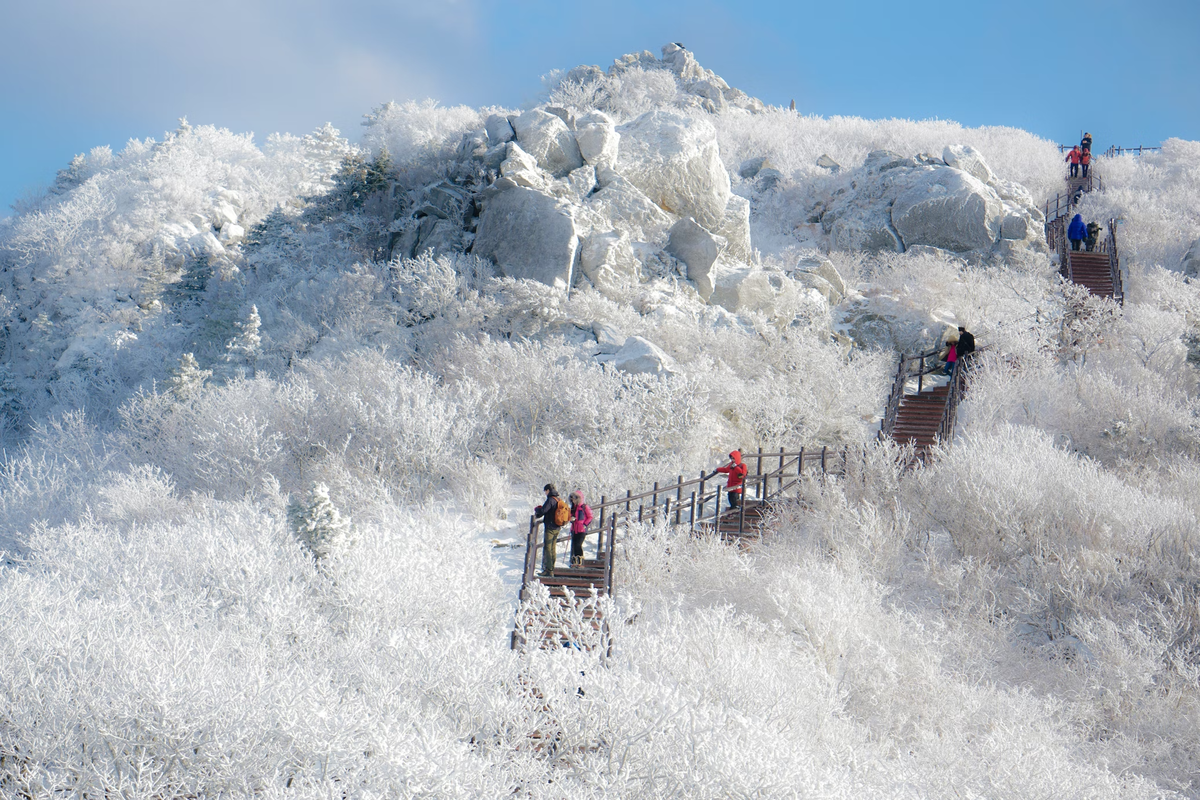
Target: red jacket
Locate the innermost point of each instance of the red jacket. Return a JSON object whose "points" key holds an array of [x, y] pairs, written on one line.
{"points": [[1086, 157], [1074, 156], [581, 516], [735, 469]]}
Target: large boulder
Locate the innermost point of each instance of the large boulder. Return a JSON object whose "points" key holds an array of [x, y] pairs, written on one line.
{"points": [[1191, 260], [608, 260], [641, 357], [499, 129], [676, 162], [699, 250], [969, 160], [597, 138], [548, 139], [735, 228], [619, 205], [529, 235], [950, 209]]}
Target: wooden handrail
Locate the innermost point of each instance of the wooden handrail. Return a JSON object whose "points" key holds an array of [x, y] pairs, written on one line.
{"points": [[1114, 263]]}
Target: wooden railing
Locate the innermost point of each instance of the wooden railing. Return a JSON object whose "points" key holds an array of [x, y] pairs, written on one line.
{"points": [[1061, 204], [914, 367], [695, 502], [1114, 262], [1115, 151]]}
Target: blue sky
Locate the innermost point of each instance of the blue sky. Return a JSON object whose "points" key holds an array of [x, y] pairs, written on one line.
{"points": [[78, 74]]}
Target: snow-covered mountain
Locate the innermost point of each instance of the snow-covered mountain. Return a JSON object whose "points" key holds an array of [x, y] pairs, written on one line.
{"points": [[263, 405]]}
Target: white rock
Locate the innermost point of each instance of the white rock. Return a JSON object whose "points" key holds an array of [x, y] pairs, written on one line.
{"points": [[608, 338], [234, 198], [498, 129], [620, 205], [825, 162], [522, 168], [206, 244], [641, 357], [582, 181], [735, 228], [548, 139], [597, 138], [824, 269], [676, 162], [1014, 226], [870, 230], [950, 209], [221, 214], [608, 260], [231, 232], [698, 249], [768, 292], [1191, 260], [529, 235], [969, 160]]}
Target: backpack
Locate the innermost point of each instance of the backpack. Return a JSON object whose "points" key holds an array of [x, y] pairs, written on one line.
{"points": [[562, 513]]}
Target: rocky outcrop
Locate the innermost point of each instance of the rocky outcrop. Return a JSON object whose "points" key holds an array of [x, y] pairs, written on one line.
{"points": [[642, 357], [947, 208], [529, 235], [699, 250], [954, 203], [548, 139], [676, 162]]}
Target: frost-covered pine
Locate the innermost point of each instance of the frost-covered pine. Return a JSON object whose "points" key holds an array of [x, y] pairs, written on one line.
{"points": [[187, 379], [317, 523], [244, 347]]}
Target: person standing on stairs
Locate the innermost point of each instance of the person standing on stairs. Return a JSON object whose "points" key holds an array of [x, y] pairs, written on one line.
{"points": [[950, 353], [1085, 160], [1086, 142], [1073, 157], [966, 343], [1076, 232], [1093, 233], [581, 517], [556, 515], [736, 471]]}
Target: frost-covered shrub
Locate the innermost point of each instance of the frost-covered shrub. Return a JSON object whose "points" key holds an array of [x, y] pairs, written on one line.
{"points": [[317, 522]]}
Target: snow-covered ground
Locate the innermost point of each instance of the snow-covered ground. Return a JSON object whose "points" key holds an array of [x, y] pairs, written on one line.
{"points": [[270, 423]]}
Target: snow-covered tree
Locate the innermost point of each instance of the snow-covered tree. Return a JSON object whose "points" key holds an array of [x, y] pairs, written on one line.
{"points": [[243, 349], [317, 523], [187, 379]]}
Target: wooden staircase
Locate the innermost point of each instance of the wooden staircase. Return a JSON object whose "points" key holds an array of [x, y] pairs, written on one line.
{"points": [[1092, 271], [923, 407]]}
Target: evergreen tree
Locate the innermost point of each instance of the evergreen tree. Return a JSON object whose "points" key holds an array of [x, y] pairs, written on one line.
{"points": [[317, 523], [246, 345], [187, 379]]}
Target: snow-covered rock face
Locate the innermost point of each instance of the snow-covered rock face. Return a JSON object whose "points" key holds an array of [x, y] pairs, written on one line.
{"points": [[548, 139], [699, 250], [948, 208], [642, 357], [529, 235], [1191, 260], [676, 162], [955, 203]]}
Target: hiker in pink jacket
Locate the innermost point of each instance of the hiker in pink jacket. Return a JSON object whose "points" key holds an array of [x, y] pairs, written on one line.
{"points": [[581, 517]]}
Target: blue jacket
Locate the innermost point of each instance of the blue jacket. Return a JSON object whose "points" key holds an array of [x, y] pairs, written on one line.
{"points": [[1077, 229]]}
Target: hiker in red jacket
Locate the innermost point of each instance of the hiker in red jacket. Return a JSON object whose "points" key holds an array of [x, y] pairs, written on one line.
{"points": [[581, 517], [736, 471], [1074, 156], [1085, 159]]}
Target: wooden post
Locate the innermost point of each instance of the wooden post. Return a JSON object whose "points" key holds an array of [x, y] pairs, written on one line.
{"points": [[678, 499], [702, 493], [742, 513], [824, 449], [603, 503], [654, 500], [640, 507], [667, 510], [758, 490], [628, 502], [692, 520], [781, 469], [800, 464]]}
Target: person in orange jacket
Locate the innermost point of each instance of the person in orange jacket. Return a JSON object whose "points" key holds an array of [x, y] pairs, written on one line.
{"points": [[1085, 159], [1074, 156], [736, 471]]}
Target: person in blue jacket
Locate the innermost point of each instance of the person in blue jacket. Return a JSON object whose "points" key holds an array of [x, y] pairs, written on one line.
{"points": [[1076, 232]]}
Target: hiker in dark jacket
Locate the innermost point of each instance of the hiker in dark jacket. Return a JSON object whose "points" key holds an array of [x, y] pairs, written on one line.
{"points": [[581, 517], [1093, 233], [736, 471], [966, 343], [1076, 232], [1086, 142], [548, 511]]}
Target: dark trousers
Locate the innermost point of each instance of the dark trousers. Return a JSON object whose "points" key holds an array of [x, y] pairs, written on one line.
{"points": [[549, 549], [1085, 169], [735, 498], [577, 548], [1075, 243], [1075, 171]]}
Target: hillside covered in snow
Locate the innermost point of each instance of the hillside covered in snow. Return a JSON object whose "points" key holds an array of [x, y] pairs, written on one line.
{"points": [[264, 404]]}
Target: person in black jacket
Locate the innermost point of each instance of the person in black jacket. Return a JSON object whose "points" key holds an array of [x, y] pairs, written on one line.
{"points": [[966, 343], [1093, 233], [547, 511], [1086, 142]]}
